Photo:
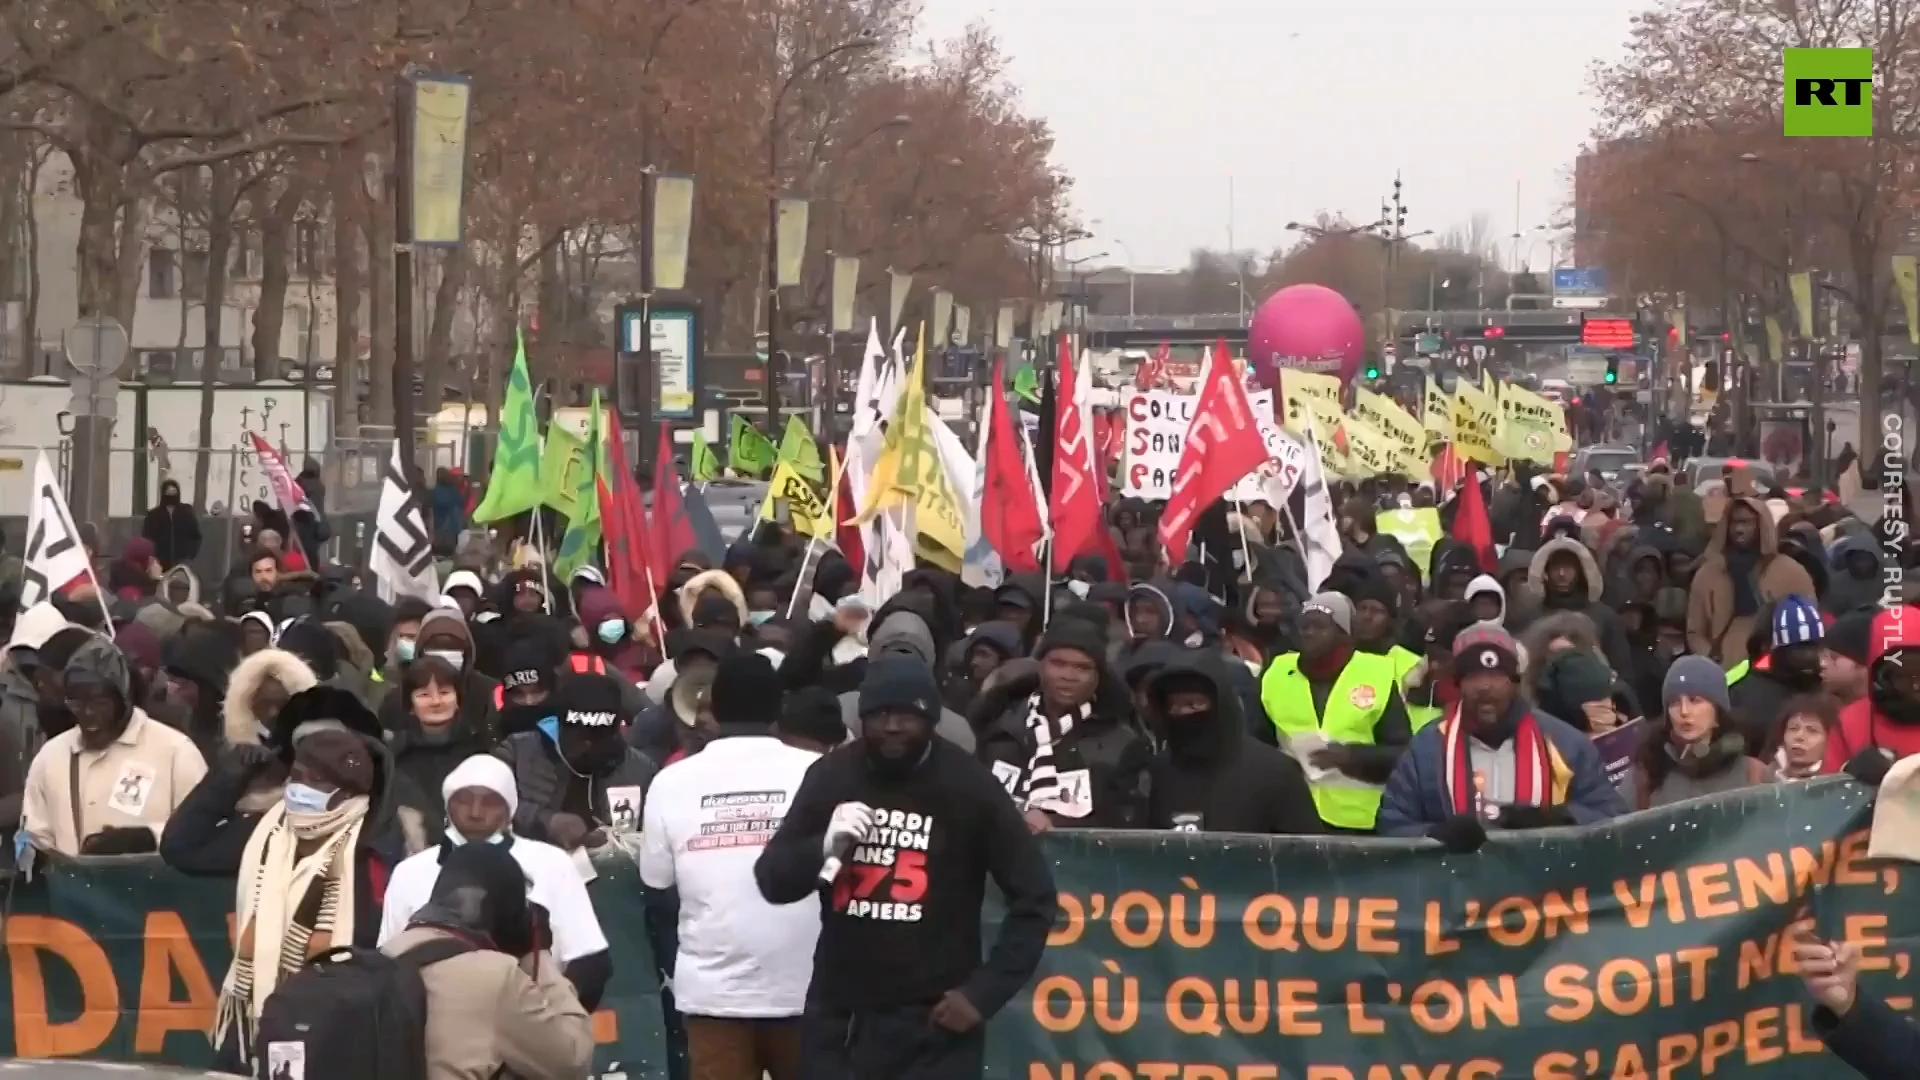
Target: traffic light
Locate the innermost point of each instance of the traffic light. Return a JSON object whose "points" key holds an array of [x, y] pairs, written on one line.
{"points": [[1613, 370], [1373, 369]]}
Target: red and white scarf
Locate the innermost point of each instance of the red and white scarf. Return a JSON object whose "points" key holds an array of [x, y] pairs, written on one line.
{"points": [[1532, 765]]}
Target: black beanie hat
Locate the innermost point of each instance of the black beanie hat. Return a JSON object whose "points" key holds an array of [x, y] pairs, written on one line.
{"points": [[1072, 632], [903, 683], [529, 661], [590, 700], [1850, 634], [745, 689]]}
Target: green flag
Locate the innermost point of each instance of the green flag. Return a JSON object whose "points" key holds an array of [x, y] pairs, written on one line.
{"points": [[702, 465], [798, 449], [582, 538], [1026, 384], [562, 464], [749, 453], [513, 487]]}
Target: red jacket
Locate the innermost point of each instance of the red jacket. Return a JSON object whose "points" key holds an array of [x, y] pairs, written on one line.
{"points": [[1861, 725]]}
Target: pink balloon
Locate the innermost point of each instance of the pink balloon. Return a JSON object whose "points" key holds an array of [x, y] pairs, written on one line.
{"points": [[1307, 327]]}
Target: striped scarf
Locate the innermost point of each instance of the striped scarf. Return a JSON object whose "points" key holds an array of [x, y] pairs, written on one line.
{"points": [[1043, 778], [1532, 765], [276, 883]]}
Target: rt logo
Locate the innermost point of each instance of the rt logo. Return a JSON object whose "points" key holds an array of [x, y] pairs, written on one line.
{"points": [[1828, 92]]}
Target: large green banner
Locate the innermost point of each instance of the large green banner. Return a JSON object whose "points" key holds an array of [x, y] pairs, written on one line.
{"points": [[1650, 948]]}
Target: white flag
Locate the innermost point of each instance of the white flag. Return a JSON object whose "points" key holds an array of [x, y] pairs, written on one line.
{"points": [[55, 556], [402, 559], [1321, 544]]}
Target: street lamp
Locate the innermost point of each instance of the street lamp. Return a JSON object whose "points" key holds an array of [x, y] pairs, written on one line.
{"points": [[866, 39]]}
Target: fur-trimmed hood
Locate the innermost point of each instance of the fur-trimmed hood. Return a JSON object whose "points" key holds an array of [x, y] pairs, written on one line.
{"points": [[240, 725], [712, 580], [1589, 567]]}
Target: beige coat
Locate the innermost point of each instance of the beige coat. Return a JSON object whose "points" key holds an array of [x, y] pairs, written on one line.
{"points": [[137, 780], [485, 1013], [1713, 629]]}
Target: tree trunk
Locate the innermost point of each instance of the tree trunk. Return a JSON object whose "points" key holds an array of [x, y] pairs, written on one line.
{"points": [[97, 183], [446, 298], [129, 259], [377, 227], [269, 319], [347, 283], [219, 229]]}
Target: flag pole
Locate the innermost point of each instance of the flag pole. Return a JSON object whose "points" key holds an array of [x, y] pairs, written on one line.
{"points": [[1046, 594]]}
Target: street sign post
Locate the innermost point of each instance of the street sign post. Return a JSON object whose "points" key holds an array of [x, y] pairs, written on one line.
{"points": [[95, 348]]}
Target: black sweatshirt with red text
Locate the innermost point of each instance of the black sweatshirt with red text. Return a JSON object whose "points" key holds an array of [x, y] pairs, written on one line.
{"points": [[901, 923]]}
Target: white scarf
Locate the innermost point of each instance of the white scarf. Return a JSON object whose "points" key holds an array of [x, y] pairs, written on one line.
{"points": [[1043, 777], [273, 884]]}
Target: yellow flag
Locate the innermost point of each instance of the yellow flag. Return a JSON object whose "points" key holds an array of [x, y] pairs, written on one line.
{"points": [[1385, 416], [1531, 427], [1475, 423], [1437, 409], [809, 513], [1370, 452], [1299, 387], [909, 473]]}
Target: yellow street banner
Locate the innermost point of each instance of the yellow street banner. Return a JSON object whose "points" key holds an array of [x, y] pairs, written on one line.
{"points": [[1531, 427], [807, 511], [909, 472], [1385, 416], [1299, 387], [1370, 452], [1437, 408], [1475, 425]]}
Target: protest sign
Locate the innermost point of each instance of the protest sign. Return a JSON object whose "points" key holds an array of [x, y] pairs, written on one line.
{"points": [[1157, 422], [1652, 946], [1618, 747]]}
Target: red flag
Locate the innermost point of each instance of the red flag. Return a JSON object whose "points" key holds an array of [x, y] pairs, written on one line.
{"points": [[1471, 525], [1074, 500], [1447, 469], [1659, 452], [1223, 444], [846, 535], [623, 528], [1009, 516], [1152, 371], [672, 533]]}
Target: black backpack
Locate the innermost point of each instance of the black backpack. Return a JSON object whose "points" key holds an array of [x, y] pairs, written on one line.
{"points": [[351, 1013]]}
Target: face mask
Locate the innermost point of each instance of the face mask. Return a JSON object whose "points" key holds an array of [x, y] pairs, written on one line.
{"points": [[612, 630], [403, 648], [302, 799], [1079, 588], [452, 658], [758, 618], [1194, 640]]}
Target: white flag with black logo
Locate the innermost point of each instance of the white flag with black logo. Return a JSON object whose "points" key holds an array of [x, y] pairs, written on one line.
{"points": [[402, 559], [55, 557]]}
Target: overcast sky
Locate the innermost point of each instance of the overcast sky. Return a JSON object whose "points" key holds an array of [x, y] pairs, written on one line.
{"points": [[1161, 106]]}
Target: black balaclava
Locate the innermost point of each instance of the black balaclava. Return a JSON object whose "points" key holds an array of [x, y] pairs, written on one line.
{"points": [[1194, 736]]}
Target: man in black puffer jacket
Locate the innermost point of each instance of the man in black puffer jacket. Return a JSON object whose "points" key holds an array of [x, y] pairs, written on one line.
{"points": [[1212, 775]]}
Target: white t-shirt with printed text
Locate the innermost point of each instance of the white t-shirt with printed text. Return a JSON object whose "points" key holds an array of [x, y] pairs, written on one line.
{"points": [[556, 886], [707, 817]]}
